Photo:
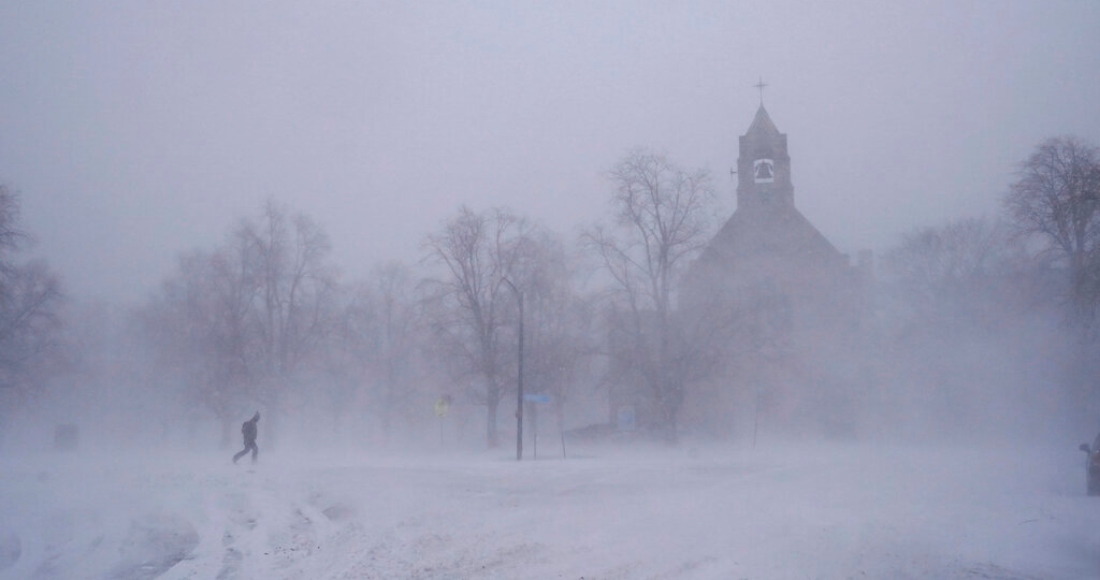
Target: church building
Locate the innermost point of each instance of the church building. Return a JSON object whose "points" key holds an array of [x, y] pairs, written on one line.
{"points": [[796, 305]]}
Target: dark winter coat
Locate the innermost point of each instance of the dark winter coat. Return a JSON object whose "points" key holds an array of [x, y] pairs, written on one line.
{"points": [[248, 429]]}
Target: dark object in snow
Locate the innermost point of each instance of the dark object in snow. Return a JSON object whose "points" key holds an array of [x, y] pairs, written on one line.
{"points": [[249, 430], [1092, 466], [66, 437]]}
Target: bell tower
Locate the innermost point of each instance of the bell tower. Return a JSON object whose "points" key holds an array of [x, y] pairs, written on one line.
{"points": [[763, 166]]}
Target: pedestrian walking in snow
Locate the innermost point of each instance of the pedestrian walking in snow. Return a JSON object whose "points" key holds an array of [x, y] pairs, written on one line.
{"points": [[248, 429]]}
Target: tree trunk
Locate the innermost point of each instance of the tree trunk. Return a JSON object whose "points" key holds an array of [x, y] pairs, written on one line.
{"points": [[491, 423], [668, 429]]}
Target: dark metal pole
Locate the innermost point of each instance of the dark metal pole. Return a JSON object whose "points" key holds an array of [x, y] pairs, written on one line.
{"points": [[559, 404], [755, 416], [519, 382]]}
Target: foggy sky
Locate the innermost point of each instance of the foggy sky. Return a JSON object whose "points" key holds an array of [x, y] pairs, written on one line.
{"points": [[138, 130]]}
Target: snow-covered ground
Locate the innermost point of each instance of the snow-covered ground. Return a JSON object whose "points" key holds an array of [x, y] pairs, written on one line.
{"points": [[812, 511]]}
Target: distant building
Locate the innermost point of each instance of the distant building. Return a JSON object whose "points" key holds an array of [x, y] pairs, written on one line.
{"points": [[795, 305]]}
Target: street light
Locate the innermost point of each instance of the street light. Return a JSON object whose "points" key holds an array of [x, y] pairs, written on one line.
{"points": [[519, 380]]}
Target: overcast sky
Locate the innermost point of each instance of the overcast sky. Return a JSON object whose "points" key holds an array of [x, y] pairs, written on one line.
{"points": [[139, 130]]}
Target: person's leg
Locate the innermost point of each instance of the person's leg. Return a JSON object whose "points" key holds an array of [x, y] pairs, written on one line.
{"points": [[240, 454], [255, 451]]}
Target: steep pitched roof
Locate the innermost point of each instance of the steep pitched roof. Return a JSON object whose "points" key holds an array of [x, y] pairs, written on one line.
{"points": [[780, 233], [766, 228], [762, 124]]}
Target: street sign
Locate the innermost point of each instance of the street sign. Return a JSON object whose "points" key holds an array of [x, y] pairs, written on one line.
{"points": [[536, 397], [626, 418]]}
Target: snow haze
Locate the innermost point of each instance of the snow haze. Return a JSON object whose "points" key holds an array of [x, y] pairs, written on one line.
{"points": [[258, 207], [139, 130]]}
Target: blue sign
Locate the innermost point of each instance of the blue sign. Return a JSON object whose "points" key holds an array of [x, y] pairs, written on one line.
{"points": [[626, 418], [536, 397]]}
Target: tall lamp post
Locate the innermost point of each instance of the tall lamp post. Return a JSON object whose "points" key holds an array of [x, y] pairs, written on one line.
{"points": [[519, 380]]}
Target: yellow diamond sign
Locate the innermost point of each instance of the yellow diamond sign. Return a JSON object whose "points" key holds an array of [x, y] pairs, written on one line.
{"points": [[442, 406]]}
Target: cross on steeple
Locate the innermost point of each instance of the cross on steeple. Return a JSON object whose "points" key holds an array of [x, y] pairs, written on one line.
{"points": [[760, 85]]}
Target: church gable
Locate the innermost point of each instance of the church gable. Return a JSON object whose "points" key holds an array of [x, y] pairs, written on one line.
{"points": [[766, 226], [767, 245], [784, 235]]}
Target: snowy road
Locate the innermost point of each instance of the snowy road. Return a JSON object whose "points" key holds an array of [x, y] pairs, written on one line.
{"points": [[776, 512]]}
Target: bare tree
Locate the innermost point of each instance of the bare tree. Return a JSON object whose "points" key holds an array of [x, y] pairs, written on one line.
{"points": [[30, 325], [350, 355], [956, 298], [470, 306], [289, 265], [285, 257], [30, 306], [240, 321], [950, 274], [198, 328], [1056, 200], [400, 330], [378, 339], [662, 219], [559, 340]]}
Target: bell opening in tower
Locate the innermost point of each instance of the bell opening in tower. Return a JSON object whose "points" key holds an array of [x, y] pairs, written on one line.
{"points": [[763, 171]]}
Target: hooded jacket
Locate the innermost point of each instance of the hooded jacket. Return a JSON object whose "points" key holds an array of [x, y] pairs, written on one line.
{"points": [[248, 428]]}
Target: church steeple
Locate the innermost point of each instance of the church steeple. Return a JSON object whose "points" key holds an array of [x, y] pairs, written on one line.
{"points": [[763, 166], [762, 124]]}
